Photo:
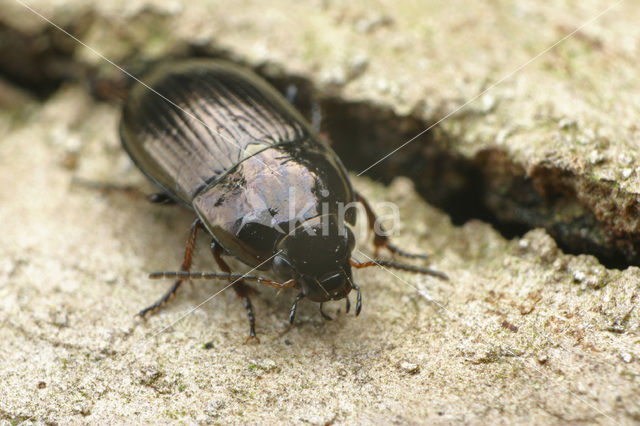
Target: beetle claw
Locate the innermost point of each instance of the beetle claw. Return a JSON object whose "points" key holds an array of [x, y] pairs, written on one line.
{"points": [[252, 337]]}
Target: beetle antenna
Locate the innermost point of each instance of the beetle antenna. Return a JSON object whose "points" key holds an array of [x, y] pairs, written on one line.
{"points": [[401, 266], [190, 275], [399, 252]]}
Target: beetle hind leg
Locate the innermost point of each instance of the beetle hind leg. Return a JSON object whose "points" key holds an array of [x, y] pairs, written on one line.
{"points": [[161, 198], [186, 266]]}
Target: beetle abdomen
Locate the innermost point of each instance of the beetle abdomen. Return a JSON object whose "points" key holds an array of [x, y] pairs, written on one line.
{"points": [[202, 118]]}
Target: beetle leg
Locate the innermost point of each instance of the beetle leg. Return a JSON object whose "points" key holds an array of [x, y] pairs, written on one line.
{"points": [[243, 293], [394, 265], [106, 187], [242, 290], [161, 198], [382, 240], [358, 298], [347, 308], [292, 313], [324, 315], [186, 265], [130, 190]]}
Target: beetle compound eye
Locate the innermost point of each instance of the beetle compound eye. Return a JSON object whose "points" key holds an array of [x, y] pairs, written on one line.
{"points": [[283, 268]]}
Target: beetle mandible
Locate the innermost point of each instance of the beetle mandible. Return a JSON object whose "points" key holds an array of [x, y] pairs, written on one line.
{"points": [[218, 139]]}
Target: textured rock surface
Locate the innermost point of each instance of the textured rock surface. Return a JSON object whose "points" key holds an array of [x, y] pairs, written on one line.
{"points": [[526, 333]]}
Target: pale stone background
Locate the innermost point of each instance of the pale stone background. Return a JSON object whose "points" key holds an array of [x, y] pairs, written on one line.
{"points": [[527, 334]]}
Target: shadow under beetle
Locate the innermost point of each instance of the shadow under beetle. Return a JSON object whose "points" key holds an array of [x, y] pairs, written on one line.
{"points": [[221, 141]]}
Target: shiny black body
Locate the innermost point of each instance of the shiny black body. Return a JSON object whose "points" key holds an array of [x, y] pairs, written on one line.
{"points": [[219, 140]]}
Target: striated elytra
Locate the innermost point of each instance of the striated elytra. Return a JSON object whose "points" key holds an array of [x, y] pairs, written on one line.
{"points": [[218, 139]]}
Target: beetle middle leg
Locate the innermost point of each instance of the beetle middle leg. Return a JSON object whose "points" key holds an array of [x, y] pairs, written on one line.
{"points": [[382, 240], [186, 265], [324, 314], [242, 289]]}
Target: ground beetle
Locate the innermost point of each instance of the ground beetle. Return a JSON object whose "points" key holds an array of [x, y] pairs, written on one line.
{"points": [[221, 141]]}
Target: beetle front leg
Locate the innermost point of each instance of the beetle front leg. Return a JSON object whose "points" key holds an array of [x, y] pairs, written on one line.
{"points": [[382, 240], [292, 313], [242, 290], [186, 266]]}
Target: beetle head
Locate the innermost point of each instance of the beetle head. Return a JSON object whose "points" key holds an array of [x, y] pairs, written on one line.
{"points": [[316, 254]]}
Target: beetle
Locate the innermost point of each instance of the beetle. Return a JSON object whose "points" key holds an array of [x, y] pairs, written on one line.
{"points": [[219, 140]]}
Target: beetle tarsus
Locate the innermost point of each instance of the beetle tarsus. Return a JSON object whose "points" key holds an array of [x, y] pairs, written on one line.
{"points": [[324, 315], [358, 299], [292, 313], [163, 301], [252, 337], [252, 320], [347, 307]]}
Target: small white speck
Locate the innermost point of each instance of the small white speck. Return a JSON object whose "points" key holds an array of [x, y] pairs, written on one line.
{"points": [[334, 76], [626, 357], [579, 276], [409, 367], [625, 158], [488, 103], [566, 123], [358, 64], [503, 134], [590, 134], [595, 157], [626, 173], [382, 85]]}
